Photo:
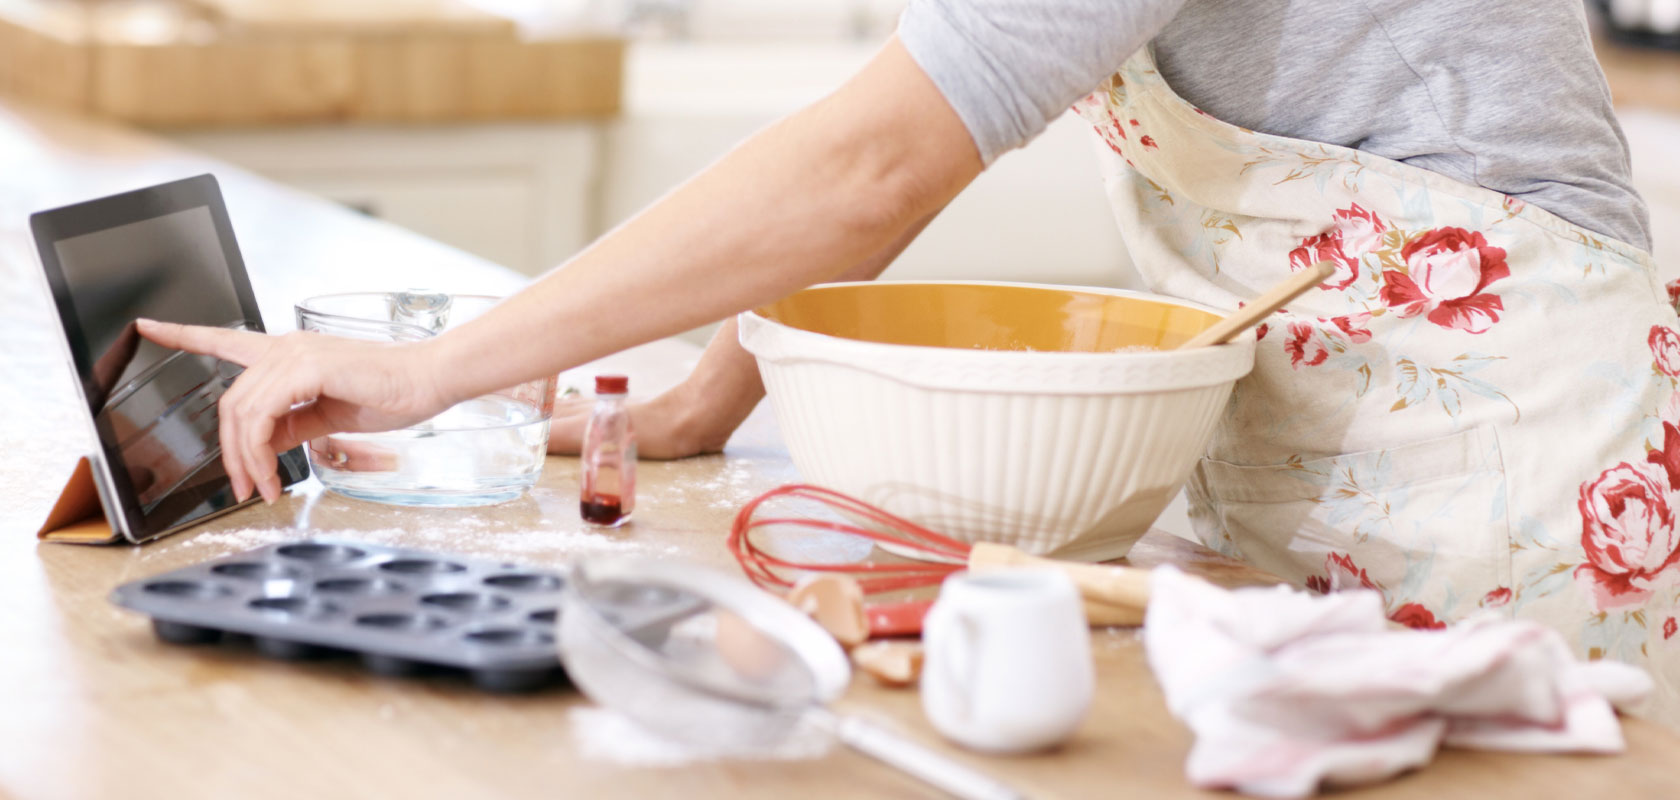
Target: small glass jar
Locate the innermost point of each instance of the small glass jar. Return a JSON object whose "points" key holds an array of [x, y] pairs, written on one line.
{"points": [[609, 456]]}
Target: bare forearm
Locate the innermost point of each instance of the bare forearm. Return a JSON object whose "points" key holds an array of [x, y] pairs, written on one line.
{"points": [[728, 375], [802, 202]]}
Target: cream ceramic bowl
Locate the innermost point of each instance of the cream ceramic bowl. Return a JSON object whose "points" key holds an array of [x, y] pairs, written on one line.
{"points": [[1054, 419]]}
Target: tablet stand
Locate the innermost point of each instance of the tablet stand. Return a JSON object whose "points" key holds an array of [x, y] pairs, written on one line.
{"points": [[78, 516]]}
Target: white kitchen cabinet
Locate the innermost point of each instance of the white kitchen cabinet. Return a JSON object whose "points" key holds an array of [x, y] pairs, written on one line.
{"points": [[519, 194]]}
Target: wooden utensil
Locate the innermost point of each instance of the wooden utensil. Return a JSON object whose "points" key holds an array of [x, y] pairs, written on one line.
{"points": [[1250, 315], [1112, 595], [1125, 587]]}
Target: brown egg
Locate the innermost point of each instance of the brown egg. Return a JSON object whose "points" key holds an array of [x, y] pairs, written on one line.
{"points": [[836, 603], [892, 662], [753, 654]]}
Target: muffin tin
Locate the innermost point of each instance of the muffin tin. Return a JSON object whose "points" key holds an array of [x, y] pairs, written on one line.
{"points": [[400, 610]]}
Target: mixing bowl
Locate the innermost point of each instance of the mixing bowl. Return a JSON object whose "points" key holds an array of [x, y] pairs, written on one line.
{"points": [[488, 449], [1054, 419]]}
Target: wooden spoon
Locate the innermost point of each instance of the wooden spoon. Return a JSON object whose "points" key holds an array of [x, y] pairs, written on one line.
{"points": [[1250, 315]]}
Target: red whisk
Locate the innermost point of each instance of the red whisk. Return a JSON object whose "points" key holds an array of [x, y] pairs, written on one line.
{"points": [[885, 619]]}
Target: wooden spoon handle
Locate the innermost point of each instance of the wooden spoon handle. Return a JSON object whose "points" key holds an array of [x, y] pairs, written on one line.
{"points": [[1250, 315], [1127, 587]]}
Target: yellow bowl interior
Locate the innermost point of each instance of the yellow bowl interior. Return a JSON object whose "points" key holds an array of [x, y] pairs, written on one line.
{"points": [[986, 317]]}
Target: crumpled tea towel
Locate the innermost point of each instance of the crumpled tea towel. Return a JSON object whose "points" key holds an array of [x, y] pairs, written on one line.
{"points": [[1288, 691]]}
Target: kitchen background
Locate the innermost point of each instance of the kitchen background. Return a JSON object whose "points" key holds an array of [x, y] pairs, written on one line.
{"points": [[700, 75]]}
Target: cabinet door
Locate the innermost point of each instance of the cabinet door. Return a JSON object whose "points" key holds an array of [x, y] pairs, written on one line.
{"points": [[486, 214], [520, 194]]}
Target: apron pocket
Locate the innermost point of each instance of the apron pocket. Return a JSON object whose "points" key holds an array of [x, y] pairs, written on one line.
{"points": [[1424, 523]]}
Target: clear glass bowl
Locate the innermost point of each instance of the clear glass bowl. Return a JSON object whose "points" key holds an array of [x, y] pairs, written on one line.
{"points": [[486, 450]]}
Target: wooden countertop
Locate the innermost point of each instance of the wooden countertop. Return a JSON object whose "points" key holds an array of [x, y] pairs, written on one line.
{"points": [[92, 706]]}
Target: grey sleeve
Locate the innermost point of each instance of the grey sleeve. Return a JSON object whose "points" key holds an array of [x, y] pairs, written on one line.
{"points": [[1009, 67]]}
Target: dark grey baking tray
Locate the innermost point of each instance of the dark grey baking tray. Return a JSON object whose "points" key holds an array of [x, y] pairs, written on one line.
{"points": [[400, 610]]}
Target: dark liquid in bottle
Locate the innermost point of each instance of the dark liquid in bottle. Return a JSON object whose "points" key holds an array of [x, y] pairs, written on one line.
{"points": [[602, 509]]}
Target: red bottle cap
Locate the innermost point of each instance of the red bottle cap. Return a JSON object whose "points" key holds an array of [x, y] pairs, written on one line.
{"points": [[612, 384]]}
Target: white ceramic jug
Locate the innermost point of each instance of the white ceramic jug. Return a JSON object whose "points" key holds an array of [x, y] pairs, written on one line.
{"points": [[1008, 660]]}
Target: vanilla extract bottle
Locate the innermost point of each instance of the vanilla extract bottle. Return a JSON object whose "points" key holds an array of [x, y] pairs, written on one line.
{"points": [[609, 455]]}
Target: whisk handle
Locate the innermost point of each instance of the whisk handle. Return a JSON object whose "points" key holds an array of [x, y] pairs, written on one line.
{"points": [[896, 619]]}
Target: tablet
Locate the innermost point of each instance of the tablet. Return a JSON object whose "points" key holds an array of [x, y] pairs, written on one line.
{"points": [[167, 253]]}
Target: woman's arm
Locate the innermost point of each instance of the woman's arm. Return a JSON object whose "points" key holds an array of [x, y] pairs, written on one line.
{"points": [[699, 415], [796, 204]]}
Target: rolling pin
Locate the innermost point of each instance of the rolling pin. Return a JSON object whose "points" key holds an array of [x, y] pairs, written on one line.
{"points": [[1110, 592], [1113, 595]]}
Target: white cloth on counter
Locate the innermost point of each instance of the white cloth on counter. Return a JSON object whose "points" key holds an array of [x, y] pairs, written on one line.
{"points": [[1288, 691]]}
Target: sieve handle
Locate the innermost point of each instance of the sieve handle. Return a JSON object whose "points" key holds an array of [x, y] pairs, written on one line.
{"points": [[933, 767]]}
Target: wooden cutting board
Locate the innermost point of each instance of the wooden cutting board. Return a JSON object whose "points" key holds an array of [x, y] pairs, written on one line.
{"points": [[398, 17], [200, 63]]}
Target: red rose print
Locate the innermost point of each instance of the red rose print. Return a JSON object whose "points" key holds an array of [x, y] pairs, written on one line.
{"points": [[1669, 456], [1134, 123], [1354, 326], [1303, 347], [1355, 232], [1629, 534], [1447, 270], [1325, 246], [1414, 615], [1361, 230], [1340, 574], [1147, 141], [1669, 627], [1674, 293], [1665, 348], [1497, 598]]}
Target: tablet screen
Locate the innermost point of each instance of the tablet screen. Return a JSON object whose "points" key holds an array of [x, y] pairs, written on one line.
{"points": [[155, 409], [161, 404]]}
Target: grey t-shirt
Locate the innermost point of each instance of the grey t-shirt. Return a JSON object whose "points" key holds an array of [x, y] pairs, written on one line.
{"points": [[1505, 94]]}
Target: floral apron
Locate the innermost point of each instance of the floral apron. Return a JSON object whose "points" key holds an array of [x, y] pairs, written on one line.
{"points": [[1477, 411]]}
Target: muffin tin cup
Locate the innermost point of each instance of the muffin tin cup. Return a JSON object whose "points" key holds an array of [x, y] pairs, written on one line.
{"points": [[402, 611]]}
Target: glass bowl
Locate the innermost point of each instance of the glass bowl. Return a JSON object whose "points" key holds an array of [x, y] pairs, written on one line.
{"points": [[489, 449]]}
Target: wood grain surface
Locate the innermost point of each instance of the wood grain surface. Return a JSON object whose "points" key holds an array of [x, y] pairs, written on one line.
{"points": [[93, 706], [1641, 77], [209, 63]]}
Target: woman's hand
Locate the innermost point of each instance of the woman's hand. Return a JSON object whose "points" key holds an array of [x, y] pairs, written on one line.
{"points": [[693, 418], [680, 423], [301, 386]]}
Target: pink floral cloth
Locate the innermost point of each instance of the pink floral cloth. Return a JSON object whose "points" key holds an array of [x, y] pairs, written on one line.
{"points": [[1477, 411], [1289, 692]]}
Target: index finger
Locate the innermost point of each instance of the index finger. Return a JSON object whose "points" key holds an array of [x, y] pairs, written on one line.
{"points": [[240, 347]]}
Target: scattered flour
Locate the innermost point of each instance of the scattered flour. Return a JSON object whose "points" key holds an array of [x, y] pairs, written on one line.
{"points": [[605, 735], [735, 484], [463, 536], [1116, 638]]}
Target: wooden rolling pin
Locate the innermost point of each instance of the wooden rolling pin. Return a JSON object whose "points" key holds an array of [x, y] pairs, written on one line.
{"points": [[1113, 595]]}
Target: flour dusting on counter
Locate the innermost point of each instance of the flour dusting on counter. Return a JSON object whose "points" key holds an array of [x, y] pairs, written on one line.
{"points": [[733, 485], [605, 735], [464, 536]]}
